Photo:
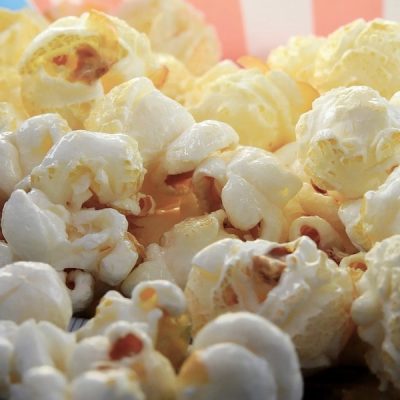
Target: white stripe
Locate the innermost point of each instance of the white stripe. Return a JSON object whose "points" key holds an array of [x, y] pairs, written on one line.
{"points": [[269, 23], [391, 9]]}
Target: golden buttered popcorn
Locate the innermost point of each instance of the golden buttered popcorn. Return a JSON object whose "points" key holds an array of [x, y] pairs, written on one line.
{"points": [[75, 60]]}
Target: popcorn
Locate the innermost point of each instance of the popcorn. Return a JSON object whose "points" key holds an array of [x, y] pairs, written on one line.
{"points": [[80, 285], [199, 83], [37, 354], [297, 58], [85, 164], [139, 110], [376, 310], [252, 188], [111, 383], [8, 118], [375, 216], [348, 141], [177, 28], [323, 234], [33, 290], [41, 383], [360, 53], [177, 79], [73, 61], [239, 356], [171, 260], [126, 345], [25, 148], [294, 285], [95, 241], [262, 108], [10, 92], [159, 306], [16, 32], [6, 256]]}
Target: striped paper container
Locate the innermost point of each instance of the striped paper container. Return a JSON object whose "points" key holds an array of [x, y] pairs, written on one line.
{"points": [[256, 26]]}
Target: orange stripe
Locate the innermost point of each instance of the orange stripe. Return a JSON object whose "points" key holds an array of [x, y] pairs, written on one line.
{"points": [[330, 14], [226, 16]]}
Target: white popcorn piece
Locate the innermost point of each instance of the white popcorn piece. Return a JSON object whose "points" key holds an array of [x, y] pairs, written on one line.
{"points": [[36, 136], [6, 256], [241, 355], [177, 28], [95, 241], [33, 290], [41, 383], [138, 109], [376, 311], [375, 216], [348, 141], [252, 188], [111, 383], [367, 49], [262, 108], [127, 345], [85, 164], [159, 306], [294, 285], [80, 285], [26, 147], [172, 259], [76, 59], [30, 347]]}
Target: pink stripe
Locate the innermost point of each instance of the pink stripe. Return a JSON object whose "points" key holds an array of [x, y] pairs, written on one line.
{"points": [[107, 6], [331, 14], [226, 16], [42, 5]]}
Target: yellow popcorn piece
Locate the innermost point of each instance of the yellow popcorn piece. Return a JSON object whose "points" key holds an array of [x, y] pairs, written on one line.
{"points": [[139, 110], [262, 108], [360, 53], [75, 60], [349, 141], [171, 260], [177, 78], [177, 28], [17, 29], [294, 285], [297, 57], [8, 118], [10, 90]]}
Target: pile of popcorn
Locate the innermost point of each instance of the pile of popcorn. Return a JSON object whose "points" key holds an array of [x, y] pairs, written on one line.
{"points": [[225, 226]]}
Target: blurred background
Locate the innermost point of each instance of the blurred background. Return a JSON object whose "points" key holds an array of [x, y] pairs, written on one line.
{"points": [[256, 26]]}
